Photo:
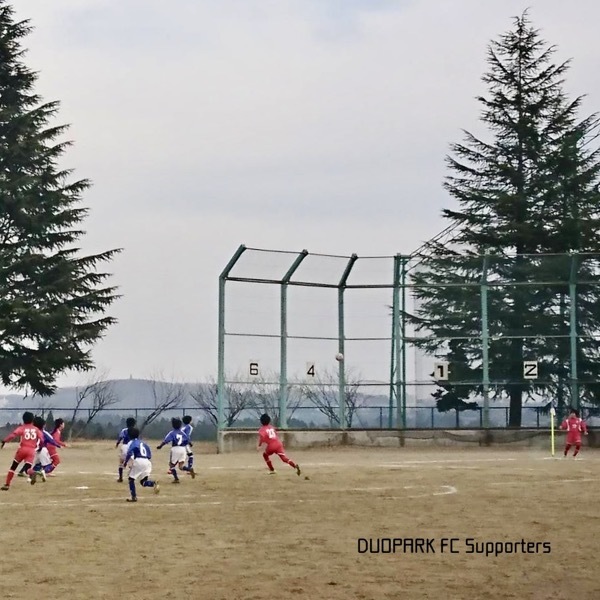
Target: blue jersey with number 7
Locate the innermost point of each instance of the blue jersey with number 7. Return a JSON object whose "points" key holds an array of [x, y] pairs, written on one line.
{"points": [[176, 437]]}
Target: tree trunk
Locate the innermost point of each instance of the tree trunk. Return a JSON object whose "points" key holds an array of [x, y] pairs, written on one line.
{"points": [[516, 385], [516, 406]]}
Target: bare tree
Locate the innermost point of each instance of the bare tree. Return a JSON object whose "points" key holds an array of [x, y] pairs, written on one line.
{"points": [[264, 398], [166, 395], [323, 394], [100, 393], [238, 399]]}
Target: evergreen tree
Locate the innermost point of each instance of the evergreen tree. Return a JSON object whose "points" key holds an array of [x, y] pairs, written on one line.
{"points": [[52, 300], [528, 197]]}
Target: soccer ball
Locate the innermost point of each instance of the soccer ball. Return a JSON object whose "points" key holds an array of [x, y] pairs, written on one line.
{"points": [[339, 357]]}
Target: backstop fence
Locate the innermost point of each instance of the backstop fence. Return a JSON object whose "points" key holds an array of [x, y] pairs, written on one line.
{"points": [[423, 340]]}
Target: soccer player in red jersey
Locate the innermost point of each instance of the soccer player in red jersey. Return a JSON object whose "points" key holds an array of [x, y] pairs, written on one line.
{"points": [[575, 427], [268, 435], [59, 425], [29, 436]]}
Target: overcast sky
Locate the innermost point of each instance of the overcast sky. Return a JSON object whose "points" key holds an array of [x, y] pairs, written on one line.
{"points": [[317, 124]]}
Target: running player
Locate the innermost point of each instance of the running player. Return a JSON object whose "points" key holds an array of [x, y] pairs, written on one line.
{"points": [[141, 466], [575, 427], [42, 460], [29, 436], [188, 428], [268, 435], [59, 426], [123, 439], [178, 440]]}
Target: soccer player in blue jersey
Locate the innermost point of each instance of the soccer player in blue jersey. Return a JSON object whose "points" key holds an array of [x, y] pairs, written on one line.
{"points": [[178, 440], [124, 440], [42, 456], [141, 466], [188, 428]]}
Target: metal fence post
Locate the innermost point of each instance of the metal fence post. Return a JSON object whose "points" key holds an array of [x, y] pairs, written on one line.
{"points": [[485, 343], [283, 340], [221, 339], [573, 330]]}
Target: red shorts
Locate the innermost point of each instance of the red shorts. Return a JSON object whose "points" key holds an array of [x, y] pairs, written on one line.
{"points": [[275, 449], [574, 440], [25, 455]]}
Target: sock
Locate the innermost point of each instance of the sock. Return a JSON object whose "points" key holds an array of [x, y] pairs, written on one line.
{"points": [[23, 469], [9, 477], [577, 449], [148, 483], [37, 467], [285, 459], [190, 461], [174, 473], [268, 461], [49, 468], [120, 472], [567, 448], [132, 486]]}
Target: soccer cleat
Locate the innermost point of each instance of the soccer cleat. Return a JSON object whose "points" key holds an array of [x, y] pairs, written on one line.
{"points": [[131, 499], [192, 473], [272, 472], [175, 481], [298, 471], [120, 480], [43, 476], [33, 478], [156, 487], [4, 488], [22, 474]]}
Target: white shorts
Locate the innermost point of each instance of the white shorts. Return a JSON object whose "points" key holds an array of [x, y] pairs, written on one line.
{"points": [[141, 467], [42, 457], [178, 455], [123, 451]]}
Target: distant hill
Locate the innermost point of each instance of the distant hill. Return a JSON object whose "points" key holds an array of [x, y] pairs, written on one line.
{"points": [[131, 393]]}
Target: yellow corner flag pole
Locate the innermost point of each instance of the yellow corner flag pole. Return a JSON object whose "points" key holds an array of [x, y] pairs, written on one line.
{"points": [[552, 415]]}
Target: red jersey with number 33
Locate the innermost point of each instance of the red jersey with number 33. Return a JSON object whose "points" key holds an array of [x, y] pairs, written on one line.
{"points": [[267, 434], [30, 436]]}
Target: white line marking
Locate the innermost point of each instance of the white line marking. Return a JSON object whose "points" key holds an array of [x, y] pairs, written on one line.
{"points": [[445, 461], [446, 491], [543, 481], [450, 489]]}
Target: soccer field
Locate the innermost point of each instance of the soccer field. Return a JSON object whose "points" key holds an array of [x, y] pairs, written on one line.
{"points": [[236, 532]]}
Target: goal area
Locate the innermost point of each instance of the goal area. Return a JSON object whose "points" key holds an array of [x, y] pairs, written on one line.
{"points": [[400, 342]]}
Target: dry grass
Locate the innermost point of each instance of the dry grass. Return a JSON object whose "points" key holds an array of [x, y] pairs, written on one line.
{"points": [[238, 533]]}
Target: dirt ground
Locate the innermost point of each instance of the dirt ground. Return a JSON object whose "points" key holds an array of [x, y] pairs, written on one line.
{"points": [[237, 533]]}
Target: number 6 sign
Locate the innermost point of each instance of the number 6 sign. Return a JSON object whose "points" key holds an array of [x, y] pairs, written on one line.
{"points": [[253, 369]]}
